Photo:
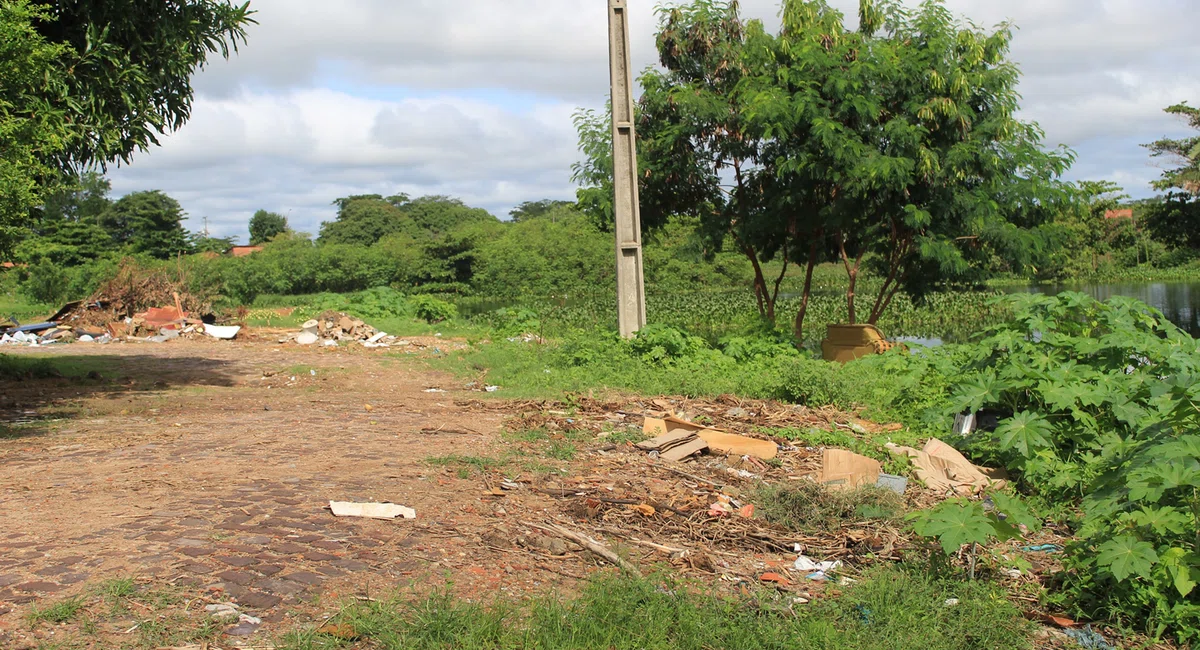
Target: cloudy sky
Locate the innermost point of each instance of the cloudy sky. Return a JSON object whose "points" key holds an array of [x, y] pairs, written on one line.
{"points": [[473, 98]]}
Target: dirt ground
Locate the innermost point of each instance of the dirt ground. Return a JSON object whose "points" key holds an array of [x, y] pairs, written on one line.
{"points": [[204, 468]]}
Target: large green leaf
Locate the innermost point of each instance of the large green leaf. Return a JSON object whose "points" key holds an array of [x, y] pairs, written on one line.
{"points": [[1026, 433], [1126, 555], [955, 523]]}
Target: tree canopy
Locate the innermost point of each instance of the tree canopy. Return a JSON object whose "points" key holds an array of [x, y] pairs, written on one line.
{"points": [[147, 222], [1186, 151], [84, 83], [265, 226], [894, 145]]}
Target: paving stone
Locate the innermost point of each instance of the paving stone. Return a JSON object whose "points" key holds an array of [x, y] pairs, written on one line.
{"points": [[159, 537], [189, 543], [305, 578], [52, 570], [328, 545], [350, 565], [71, 559], [279, 587], [5, 610], [197, 552], [330, 571], [240, 548], [257, 540], [7, 580], [198, 568], [72, 578], [315, 556], [193, 522], [300, 525], [268, 569], [259, 600], [305, 539], [18, 544], [236, 560], [289, 548], [237, 577], [38, 587]]}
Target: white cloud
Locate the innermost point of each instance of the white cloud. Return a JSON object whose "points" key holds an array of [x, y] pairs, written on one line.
{"points": [[473, 97]]}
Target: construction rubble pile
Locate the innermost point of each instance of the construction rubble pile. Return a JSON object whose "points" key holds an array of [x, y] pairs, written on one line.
{"points": [[135, 305], [689, 493], [332, 328]]}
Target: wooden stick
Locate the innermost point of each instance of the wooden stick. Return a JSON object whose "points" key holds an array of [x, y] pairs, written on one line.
{"points": [[590, 544]]}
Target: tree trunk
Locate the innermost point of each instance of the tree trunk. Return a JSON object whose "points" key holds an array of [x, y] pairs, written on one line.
{"points": [[766, 306], [798, 328], [852, 273]]}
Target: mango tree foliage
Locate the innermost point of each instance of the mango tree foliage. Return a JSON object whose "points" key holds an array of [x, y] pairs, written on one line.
{"points": [[1175, 219], [265, 226], [33, 125], [147, 222]]}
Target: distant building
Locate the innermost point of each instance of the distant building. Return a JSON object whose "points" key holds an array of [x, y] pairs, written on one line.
{"points": [[1124, 213], [243, 251]]}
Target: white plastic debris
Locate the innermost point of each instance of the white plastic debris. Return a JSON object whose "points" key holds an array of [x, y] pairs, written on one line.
{"points": [[371, 510], [951, 602], [307, 338], [223, 332], [86, 338], [805, 563], [330, 343], [491, 389]]}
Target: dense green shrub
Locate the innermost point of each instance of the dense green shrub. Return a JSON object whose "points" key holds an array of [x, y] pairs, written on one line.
{"points": [[1103, 397], [432, 310]]}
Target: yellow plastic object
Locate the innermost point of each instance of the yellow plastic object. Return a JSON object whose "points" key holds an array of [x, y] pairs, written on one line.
{"points": [[849, 342]]}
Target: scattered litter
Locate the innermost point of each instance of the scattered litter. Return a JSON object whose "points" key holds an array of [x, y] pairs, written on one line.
{"points": [[1089, 639], [775, 578], [223, 332], [247, 625], [220, 611], [371, 510], [1043, 548], [804, 563], [897, 484], [951, 602], [944, 469], [846, 470], [818, 576], [307, 338], [491, 389], [344, 631], [334, 327], [434, 390], [1013, 573]]}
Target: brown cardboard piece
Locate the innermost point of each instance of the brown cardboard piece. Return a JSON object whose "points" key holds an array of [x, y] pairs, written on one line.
{"points": [[718, 441], [942, 468], [683, 451], [846, 470]]}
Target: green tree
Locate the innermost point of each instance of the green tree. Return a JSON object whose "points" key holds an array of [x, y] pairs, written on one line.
{"points": [[900, 142], [147, 222], [364, 220], [265, 226], [440, 215], [1185, 151], [87, 82], [1175, 219], [33, 125], [83, 198], [198, 242], [535, 209]]}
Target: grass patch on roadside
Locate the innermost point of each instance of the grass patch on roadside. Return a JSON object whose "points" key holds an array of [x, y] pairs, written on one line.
{"points": [[809, 507], [466, 464], [890, 608], [63, 611], [17, 368]]}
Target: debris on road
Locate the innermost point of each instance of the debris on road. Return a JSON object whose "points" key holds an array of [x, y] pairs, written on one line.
{"points": [[590, 544], [371, 510]]}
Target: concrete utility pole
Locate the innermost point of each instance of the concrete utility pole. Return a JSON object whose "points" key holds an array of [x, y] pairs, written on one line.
{"points": [[631, 292]]}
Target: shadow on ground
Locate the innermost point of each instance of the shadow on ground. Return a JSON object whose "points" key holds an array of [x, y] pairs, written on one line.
{"points": [[36, 390]]}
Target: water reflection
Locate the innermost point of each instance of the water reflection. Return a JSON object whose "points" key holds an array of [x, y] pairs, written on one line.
{"points": [[1178, 301]]}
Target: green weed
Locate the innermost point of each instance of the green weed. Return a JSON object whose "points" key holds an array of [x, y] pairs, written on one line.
{"points": [[465, 464], [890, 609], [61, 612], [807, 506]]}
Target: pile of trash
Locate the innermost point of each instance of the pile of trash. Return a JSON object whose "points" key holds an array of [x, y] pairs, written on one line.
{"points": [[334, 327]]}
